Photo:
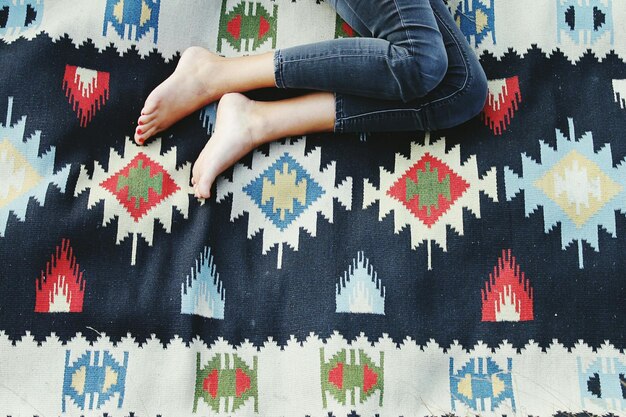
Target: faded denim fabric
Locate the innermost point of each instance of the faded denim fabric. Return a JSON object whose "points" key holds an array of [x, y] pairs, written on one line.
{"points": [[411, 70]]}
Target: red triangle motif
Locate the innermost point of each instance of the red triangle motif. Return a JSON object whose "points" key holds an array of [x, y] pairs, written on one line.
{"points": [[242, 382], [210, 383], [507, 286], [264, 26], [347, 29], [234, 27], [87, 90], [335, 375], [370, 378], [502, 102], [61, 287]]}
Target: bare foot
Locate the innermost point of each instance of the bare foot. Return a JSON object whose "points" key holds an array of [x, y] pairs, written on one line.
{"points": [[192, 85], [238, 130]]}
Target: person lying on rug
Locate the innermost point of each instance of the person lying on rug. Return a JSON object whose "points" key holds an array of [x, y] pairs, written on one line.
{"points": [[412, 70]]}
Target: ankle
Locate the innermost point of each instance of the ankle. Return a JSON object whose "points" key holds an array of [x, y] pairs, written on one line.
{"points": [[259, 127]]}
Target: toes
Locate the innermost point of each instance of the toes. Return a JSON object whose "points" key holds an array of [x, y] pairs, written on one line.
{"points": [[150, 106], [138, 136], [147, 127], [144, 119], [143, 133], [151, 131], [203, 187]]}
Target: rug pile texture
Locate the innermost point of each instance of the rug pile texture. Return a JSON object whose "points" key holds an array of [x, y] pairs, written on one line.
{"points": [[479, 270]]}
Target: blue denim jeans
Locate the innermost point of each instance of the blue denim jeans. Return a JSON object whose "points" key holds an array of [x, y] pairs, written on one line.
{"points": [[411, 70]]}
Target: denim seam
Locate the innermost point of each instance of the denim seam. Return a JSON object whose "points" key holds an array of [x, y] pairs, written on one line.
{"points": [[278, 69], [351, 55], [357, 16], [339, 119], [406, 31], [382, 112], [467, 71]]}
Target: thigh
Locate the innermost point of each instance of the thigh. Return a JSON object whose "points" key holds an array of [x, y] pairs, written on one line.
{"points": [[460, 95], [409, 24]]}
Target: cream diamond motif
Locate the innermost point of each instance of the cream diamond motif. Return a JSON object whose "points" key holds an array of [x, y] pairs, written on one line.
{"points": [[578, 186]]}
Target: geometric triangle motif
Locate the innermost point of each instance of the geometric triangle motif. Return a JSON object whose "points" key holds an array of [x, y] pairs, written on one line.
{"points": [[140, 185], [343, 29], [61, 286], [507, 295], [87, 90], [475, 19], [96, 376], [578, 186], [430, 192], [247, 26], [226, 382], [284, 191], [360, 290], [25, 172], [348, 372], [132, 17], [482, 385], [428, 189], [502, 102], [18, 175]]}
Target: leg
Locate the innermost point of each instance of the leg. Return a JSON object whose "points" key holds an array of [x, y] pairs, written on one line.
{"points": [[403, 60], [243, 124], [201, 77], [459, 97], [406, 61]]}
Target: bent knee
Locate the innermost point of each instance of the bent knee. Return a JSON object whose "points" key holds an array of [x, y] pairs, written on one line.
{"points": [[432, 70], [477, 94], [421, 73]]}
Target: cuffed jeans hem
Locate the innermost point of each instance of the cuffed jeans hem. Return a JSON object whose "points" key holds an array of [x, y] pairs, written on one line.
{"points": [[278, 69], [338, 114]]}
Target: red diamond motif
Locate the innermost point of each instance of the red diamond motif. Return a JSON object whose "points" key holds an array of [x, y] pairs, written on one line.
{"points": [[141, 185], [428, 189]]}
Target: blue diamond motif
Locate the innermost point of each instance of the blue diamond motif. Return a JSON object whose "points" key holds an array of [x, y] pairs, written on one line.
{"points": [[284, 191]]}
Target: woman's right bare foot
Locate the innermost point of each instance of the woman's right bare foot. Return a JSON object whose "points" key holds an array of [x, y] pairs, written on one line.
{"points": [[239, 128], [193, 85]]}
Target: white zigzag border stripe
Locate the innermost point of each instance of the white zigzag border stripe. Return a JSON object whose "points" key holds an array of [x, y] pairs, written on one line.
{"points": [[544, 380], [518, 26]]}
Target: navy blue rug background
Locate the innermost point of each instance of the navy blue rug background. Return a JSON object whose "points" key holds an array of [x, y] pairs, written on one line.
{"points": [[444, 304]]}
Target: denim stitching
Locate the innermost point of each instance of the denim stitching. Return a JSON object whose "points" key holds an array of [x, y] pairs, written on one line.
{"points": [[467, 71], [406, 31], [278, 66], [356, 15], [339, 119], [352, 55]]}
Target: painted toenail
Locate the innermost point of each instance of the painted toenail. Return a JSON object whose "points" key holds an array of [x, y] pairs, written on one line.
{"points": [[139, 131], [140, 123]]}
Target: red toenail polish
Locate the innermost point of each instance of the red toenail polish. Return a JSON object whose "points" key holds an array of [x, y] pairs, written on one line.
{"points": [[140, 123], [139, 131]]}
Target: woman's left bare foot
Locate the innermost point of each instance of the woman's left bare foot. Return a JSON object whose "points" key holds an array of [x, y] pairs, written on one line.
{"points": [[238, 129]]}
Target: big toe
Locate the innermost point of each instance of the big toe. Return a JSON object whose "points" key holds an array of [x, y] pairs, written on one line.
{"points": [[203, 186]]}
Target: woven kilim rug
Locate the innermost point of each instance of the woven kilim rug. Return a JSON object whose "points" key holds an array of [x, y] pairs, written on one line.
{"points": [[475, 271]]}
